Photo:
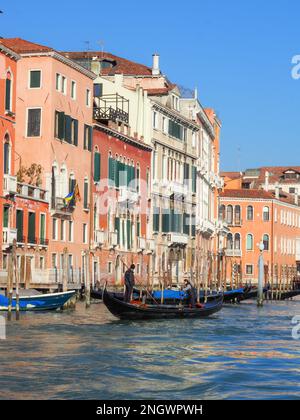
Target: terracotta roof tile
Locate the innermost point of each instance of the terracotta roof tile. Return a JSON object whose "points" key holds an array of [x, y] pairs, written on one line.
{"points": [[21, 46], [245, 193]]}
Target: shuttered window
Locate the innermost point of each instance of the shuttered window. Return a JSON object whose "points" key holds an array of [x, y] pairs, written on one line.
{"points": [[19, 225], [68, 129], [35, 79], [166, 221], [34, 122], [175, 130], [194, 179], [5, 216], [97, 166], [87, 141], [156, 214], [31, 228], [117, 228], [111, 171], [8, 95], [186, 224], [186, 174], [75, 132], [86, 195], [193, 226], [43, 229], [129, 234]]}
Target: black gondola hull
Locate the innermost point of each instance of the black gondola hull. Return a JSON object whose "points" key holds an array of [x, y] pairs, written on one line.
{"points": [[128, 311]]}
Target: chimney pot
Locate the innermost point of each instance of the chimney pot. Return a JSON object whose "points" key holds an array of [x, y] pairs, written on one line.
{"points": [[155, 65]]}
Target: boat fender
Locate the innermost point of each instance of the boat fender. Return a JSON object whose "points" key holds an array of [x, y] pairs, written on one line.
{"points": [[199, 306]]}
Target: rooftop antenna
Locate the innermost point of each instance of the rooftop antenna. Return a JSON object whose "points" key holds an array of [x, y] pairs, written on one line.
{"points": [[101, 43]]}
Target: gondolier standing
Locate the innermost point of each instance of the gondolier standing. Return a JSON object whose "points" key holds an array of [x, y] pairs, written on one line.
{"points": [[129, 282], [190, 290]]}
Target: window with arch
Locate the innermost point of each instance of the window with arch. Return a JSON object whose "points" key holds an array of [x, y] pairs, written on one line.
{"points": [[222, 212], [250, 213], [6, 155], [8, 92], [229, 215], [266, 242], [266, 214], [237, 241], [229, 241], [237, 215], [249, 242]]}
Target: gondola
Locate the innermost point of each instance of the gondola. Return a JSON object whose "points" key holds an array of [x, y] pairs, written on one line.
{"points": [[136, 310], [46, 302]]}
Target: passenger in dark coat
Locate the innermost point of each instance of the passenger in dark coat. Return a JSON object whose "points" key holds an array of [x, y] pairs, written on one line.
{"points": [[129, 283], [190, 291]]}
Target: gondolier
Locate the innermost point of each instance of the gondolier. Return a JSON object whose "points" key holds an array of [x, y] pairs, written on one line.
{"points": [[190, 291], [129, 283]]}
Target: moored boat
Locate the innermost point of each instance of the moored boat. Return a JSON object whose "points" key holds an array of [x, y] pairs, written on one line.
{"points": [[136, 310], [46, 302]]}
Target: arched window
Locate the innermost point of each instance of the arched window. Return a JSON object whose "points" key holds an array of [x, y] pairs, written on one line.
{"points": [[222, 211], [237, 215], [266, 241], [6, 155], [229, 215], [229, 241], [266, 214], [249, 244], [250, 213], [237, 241]]}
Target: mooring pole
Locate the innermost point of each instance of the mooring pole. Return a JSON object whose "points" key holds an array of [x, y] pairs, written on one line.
{"points": [[260, 295], [87, 279], [16, 276]]}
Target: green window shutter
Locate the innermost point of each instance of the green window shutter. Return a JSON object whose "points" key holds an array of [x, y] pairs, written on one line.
{"points": [[85, 195], [31, 228], [117, 227], [128, 234], [156, 214], [186, 224], [75, 132], [42, 232], [138, 229], [97, 163], [35, 78], [61, 126], [193, 227], [90, 138], [68, 128], [194, 179], [5, 216], [8, 95], [19, 225], [166, 222], [122, 175], [186, 173]]}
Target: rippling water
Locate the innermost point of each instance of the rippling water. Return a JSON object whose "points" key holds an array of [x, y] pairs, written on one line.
{"points": [[240, 353]]}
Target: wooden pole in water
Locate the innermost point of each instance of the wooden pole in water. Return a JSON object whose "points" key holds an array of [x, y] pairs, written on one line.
{"points": [[16, 277], [260, 294], [9, 286], [87, 279]]}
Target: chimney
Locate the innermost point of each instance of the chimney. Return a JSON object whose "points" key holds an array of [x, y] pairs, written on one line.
{"points": [[277, 191], [267, 177], [155, 65]]}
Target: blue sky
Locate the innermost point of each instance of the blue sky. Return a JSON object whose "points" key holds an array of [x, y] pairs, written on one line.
{"points": [[238, 54]]}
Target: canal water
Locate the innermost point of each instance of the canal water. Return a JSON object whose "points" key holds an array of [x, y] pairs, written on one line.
{"points": [[240, 353]]}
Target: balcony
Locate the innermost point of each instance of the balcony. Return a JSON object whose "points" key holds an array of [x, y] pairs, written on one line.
{"points": [[151, 245], [113, 239], [9, 235], [100, 237], [59, 208], [233, 252], [9, 184], [32, 191], [141, 244], [177, 189], [126, 195], [178, 239], [112, 108], [208, 227]]}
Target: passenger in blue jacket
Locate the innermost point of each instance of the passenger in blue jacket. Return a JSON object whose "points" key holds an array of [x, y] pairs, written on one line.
{"points": [[129, 283]]}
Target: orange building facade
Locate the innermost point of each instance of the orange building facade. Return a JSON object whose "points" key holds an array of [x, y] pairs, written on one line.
{"points": [[255, 216]]}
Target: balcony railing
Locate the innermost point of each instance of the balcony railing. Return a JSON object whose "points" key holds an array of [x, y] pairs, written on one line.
{"points": [[32, 191], [127, 195], [178, 238], [9, 235], [100, 237], [113, 238], [233, 253], [59, 207], [9, 184], [112, 108]]}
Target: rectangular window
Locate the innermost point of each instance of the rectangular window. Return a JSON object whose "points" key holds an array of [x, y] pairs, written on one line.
{"points": [[34, 122], [5, 216], [31, 228], [20, 224], [165, 221], [8, 89], [54, 260], [98, 90], [186, 224], [88, 97], [109, 267], [87, 141], [62, 230], [35, 79], [54, 229], [58, 81], [249, 269], [97, 166], [86, 195], [42, 229], [70, 236], [84, 233], [176, 130], [194, 179], [73, 90], [155, 119], [42, 263], [64, 85]]}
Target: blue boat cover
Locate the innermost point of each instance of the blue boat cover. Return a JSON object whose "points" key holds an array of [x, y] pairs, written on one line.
{"points": [[170, 294], [4, 302]]}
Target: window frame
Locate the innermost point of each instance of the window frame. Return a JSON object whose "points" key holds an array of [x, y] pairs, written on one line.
{"points": [[29, 79], [27, 119]]}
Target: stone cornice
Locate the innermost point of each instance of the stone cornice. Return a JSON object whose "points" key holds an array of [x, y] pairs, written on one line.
{"points": [[9, 52], [176, 116]]}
